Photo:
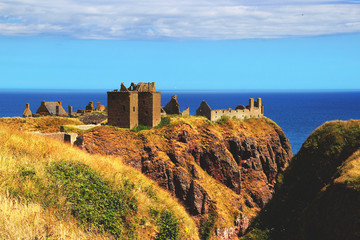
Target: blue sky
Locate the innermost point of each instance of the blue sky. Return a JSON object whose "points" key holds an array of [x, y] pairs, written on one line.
{"points": [[181, 45]]}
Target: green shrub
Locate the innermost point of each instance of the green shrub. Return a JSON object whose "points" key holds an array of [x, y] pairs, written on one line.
{"points": [[257, 234], [92, 201], [164, 122], [223, 119], [140, 128], [167, 222], [169, 226], [27, 173], [28, 191], [207, 229]]}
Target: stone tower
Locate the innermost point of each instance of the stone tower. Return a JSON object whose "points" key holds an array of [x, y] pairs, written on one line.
{"points": [[140, 104]]}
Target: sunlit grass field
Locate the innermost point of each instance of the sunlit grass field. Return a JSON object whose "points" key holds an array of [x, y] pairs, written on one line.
{"points": [[43, 182]]}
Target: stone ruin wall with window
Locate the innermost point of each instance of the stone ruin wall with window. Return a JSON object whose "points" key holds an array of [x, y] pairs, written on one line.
{"points": [[254, 109]]}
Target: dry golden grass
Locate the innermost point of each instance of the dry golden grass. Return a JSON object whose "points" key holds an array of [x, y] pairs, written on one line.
{"points": [[29, 220], [41, 124], [349, 172], [19, 150]]}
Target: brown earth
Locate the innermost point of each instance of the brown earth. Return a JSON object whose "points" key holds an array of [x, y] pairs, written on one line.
{"points": [[223, 173]]}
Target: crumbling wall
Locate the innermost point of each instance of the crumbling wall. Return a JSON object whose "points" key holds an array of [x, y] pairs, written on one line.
{"points": [[172, 107], [254, 109]]}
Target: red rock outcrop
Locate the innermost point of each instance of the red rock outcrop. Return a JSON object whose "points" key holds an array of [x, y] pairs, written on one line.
{"points": [[225, 169]]}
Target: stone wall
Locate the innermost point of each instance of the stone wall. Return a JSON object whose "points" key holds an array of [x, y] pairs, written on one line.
{"points": [[140, 104], [123, 109], [241, 114], [254, 109]]}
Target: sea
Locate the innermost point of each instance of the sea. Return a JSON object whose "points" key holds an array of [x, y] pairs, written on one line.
{"points": [[298, 113]]}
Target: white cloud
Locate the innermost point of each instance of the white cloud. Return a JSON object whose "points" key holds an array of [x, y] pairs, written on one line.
{"points": [[155, 19]]}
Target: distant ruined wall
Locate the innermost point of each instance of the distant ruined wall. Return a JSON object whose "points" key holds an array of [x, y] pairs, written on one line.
{"points": [[254, 109], [204, 110], [241, 114], [42, 110]]}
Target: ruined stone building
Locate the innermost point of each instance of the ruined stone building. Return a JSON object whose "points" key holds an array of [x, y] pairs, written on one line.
{"points": [[50, 108], [140, 104], [254, 109], [90, 107], [27, 112], [172, 107]]}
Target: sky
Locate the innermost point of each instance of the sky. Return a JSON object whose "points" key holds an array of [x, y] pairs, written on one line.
{"points": [[180, 45]]}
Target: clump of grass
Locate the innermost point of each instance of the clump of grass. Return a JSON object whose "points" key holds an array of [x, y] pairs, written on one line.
{"points": [[257, 234], [91, 199], [164, 122], [42, 124], [207, 229], [168, 224], [29, 220], [223, 120], [140, 128]]}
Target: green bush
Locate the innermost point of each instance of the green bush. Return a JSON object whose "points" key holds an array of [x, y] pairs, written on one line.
{"points": [[140, 128], [169, 226], [164, 122], [92, 201], [223, 119], [257, 234], [207, 229]]}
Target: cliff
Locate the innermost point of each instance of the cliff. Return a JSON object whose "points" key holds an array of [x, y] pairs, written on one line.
{"points": [[319, 195], [223, 173]]}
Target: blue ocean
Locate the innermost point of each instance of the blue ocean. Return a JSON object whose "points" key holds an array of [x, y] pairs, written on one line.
{"points": [[297, 113]]}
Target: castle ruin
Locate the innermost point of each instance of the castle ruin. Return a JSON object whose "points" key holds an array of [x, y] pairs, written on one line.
{"points": [[140, 104], [254, 109], [50, 108]]}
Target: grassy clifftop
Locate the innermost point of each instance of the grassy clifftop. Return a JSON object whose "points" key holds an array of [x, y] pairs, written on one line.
{"points": [[41, 124], [319, 194], [335, 211], [51, 190]]}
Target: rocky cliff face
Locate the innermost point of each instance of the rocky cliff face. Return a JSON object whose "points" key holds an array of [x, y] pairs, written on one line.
{"points": [[223, 173]]}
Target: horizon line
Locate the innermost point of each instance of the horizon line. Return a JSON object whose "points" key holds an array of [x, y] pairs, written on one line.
{"points": [[184, 90]]}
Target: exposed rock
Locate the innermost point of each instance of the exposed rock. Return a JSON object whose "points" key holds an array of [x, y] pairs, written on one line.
{"points": [[206, 166], [93, 118]]}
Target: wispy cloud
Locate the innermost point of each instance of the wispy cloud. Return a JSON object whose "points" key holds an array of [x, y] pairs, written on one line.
{"points": [[155, 19]]}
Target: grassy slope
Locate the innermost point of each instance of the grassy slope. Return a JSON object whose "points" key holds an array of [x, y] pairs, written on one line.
{"points": [[37, 194], [325, 151], [335, 212], [41, 124]]}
